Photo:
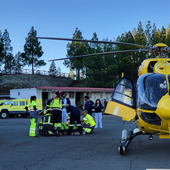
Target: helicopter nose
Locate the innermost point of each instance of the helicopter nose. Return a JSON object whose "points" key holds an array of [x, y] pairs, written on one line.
{"points": [[163, 109]]}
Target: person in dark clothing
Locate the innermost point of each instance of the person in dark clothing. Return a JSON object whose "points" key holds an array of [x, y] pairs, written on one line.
{"points": [[98, 113], [74, 114], [89, 105]]}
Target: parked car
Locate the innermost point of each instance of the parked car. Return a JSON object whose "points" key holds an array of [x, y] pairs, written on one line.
{"points": [[17, 107]]}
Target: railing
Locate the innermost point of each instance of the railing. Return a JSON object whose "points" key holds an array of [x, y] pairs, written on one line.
{"points": [[38, 72]]}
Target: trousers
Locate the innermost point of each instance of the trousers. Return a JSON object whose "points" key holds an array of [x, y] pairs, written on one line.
{"points": [[73, 118], [56, 118], [88, 128], [98, 119], [33, 123], [64, 116], [47, 130]]}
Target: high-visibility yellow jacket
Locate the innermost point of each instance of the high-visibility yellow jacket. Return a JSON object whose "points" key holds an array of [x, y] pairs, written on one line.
{"points": [[88, 120], [55, 103], [46, 119], [32, 105]]}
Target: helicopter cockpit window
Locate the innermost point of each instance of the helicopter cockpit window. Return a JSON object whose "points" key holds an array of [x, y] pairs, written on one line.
{"points": [[151, 66], [155, 87], [123, 92], [169, 80]]}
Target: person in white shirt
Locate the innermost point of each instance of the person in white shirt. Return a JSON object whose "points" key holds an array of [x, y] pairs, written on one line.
{"points": [[66, 101]]}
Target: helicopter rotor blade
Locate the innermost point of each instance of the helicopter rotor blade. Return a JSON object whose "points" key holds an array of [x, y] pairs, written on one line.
{"points": [[96, 54], [93, 41]]}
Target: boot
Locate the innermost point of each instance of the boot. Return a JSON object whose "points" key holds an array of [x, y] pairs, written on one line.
{"points": [[69, 130], [80, 130], [57, 132]]}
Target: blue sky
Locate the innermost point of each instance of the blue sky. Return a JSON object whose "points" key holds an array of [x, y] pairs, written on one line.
{"points": [[59, 18]]}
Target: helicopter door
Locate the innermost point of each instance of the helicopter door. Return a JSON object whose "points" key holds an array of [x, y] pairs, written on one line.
{"points": [[123, 100]]}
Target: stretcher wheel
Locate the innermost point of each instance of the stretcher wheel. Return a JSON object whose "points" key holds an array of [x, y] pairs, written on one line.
{"points": [[122, 150]]}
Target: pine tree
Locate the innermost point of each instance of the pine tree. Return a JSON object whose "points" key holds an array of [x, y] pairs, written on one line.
{"points": [[157, 38], [10, 64], [59, 71], [167, 41], [127, 60], [1, 47], [167, 30], [148, 33], [153, 34], [52, 70], [94, 65], [74, 49], [94, 45], [140, 37], [99, 70], [18, 64], [7, 51], [163, 35], [33, 51]]}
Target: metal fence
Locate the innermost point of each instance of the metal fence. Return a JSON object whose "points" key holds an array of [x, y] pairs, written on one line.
{"points": [[38, 72]]}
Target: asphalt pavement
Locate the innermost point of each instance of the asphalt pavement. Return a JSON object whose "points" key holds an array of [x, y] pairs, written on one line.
{"points": [[90, 152]]}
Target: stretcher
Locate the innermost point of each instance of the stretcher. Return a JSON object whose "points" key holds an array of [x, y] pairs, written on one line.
{"points": [[64, 129]]}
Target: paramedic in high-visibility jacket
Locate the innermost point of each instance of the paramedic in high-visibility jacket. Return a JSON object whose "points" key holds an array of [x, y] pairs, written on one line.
{"points": [[46, 127], [32, 108], [56, 104], [89, 122]]}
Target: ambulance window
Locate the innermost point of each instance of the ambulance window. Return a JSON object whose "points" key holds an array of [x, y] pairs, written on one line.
{"points": [[15, 103], [7, 102], [22, 103]]}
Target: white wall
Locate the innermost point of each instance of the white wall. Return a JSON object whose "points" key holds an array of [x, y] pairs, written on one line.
{"points": [[39, 93], [72, 102], [100, 95], [28, 92], [23, 93]]}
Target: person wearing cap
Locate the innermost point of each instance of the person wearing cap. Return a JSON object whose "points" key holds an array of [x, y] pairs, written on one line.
{"points": [[32, 108], [89, 122], [66, 101], [89, 105], [56, 104], [74, 114]]}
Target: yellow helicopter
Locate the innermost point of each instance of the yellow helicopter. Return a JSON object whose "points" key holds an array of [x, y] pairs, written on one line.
{"points": [[148, 103]]}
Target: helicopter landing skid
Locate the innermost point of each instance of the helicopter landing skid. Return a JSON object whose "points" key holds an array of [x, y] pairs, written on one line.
{"points": [[125, 142]]}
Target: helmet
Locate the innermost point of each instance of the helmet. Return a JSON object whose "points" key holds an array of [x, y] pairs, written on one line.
{"points": [[45, 112], [57, 93], [49, 110]]}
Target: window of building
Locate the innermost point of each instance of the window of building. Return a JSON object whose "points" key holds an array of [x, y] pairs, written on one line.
{"points": [[71, 94]]}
